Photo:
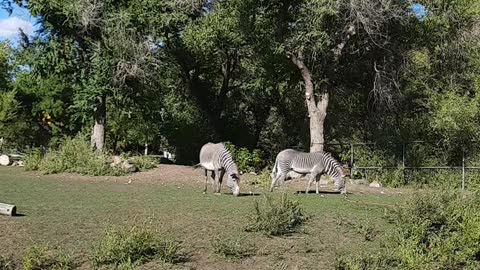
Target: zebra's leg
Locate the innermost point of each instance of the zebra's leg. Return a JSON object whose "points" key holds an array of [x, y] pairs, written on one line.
{"points": [[317, 182], [274, 180], [220, 180], [310, 180], [206, 182], [217, 182], [214, 185], [282, 179]]}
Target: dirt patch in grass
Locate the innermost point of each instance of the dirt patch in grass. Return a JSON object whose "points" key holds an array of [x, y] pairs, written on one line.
{"points": [[188, 176]]}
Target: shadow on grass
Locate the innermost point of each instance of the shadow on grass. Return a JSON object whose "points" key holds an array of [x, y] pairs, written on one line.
{"points": [[246, 194], [320, 192], [183, 257]]}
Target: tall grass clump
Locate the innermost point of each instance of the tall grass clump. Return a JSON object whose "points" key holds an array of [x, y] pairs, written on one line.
{"points": [[76, 156], [130, 247], [434, 230], [32, 160], [6, 264], [237, 246], [276, 215], [144, 163], [41, 258]]}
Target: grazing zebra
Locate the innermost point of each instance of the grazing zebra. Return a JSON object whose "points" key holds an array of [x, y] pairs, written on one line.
{"points": [[216, 158], [314, 164]]}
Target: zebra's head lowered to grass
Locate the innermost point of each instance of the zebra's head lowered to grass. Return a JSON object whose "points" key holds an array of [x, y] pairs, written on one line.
{"points": [[233, 182]]}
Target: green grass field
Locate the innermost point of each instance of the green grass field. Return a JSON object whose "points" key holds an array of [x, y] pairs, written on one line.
{"points": [[71, 215]]}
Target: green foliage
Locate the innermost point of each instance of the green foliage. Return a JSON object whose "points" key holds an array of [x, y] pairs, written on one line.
{"points": [[76, 156], [126, 248], [176, 74], [454, 122], [438, 230], [144, 163], [276, 215], [41, 258], [32, 160], [247, 161], [13, 128], [237, 246], [263, 179]]}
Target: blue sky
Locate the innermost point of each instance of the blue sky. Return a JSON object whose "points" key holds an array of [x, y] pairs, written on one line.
{"points": [[419, 10], [9, 24]]}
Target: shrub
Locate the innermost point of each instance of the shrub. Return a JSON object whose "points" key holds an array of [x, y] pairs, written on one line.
{"points": [[437, 230], [6, 264], [40, 258], [234, 247], [75, 155], [247, 161], [276, 216], [144, 163], [263, 179], [134, 246], [32, 160]]}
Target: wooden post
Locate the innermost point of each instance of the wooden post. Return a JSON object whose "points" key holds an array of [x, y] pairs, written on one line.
{"points": [[463, 168], [351, 160], [7, 209]]}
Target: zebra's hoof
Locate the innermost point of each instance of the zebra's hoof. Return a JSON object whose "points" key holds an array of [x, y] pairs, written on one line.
{"points": [[218, 194], [204, 192]]}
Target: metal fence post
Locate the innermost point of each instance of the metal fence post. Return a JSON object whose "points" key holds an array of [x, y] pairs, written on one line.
{"points": [[463, 168]]}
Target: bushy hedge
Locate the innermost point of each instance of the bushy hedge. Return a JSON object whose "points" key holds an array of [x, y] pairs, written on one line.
{"points": [[76, 155], [434, 230]]}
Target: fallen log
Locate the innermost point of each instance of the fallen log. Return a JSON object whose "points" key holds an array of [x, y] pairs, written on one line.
{"points": [[8, 209]]}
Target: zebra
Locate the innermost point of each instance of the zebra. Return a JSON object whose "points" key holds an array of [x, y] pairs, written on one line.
{"points": [[314, 164], [216, 158]]}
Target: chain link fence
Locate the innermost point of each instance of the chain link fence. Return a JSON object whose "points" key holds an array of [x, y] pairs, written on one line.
{"points": [[416, 162]]}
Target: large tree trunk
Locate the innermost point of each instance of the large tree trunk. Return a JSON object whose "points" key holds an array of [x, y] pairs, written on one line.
{"points": [[100, 118], [317, 111]]}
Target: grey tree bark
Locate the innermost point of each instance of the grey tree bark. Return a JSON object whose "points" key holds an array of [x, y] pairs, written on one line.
{"points": [[100, 119], [317, 110]]}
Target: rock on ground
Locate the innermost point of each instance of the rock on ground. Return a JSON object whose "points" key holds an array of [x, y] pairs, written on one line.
{"points": [[375, 184]]}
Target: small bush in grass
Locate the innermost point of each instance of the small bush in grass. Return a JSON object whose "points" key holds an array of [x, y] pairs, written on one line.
{"points": [[144, 163], [276, 216], [75, 155], [234, 247], [434, 230], [32, 160], [134, 246], [263, 179], [6, 264], [41, 258]]}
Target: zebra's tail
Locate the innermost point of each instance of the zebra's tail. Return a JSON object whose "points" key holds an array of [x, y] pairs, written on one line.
{"points": [[196, 166], [274, 170]]}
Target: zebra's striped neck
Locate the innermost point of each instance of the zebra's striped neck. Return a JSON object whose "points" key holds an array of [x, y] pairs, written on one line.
{"points": [[332, 167], [227, 162]]}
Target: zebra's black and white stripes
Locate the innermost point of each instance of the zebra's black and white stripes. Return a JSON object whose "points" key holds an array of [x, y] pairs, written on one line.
{"points": [[226, 161], [312, 164], [216, 158]]}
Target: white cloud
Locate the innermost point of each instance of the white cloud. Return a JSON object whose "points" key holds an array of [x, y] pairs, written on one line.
{"points": [[9, 27]]}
